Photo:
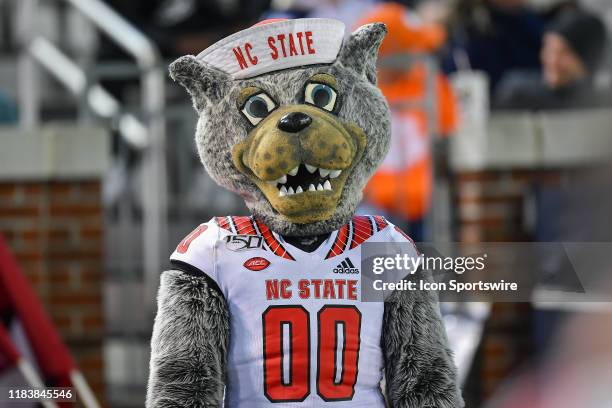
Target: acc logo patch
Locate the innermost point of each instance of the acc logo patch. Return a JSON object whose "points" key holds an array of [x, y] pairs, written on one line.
{"points": [[238, 243], [256, 264]]}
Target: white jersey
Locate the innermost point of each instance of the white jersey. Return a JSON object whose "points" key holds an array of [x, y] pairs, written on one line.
{"points": [[300, 336]]}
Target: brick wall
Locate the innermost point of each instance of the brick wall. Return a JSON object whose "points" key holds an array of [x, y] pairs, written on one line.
{"points": [[491, 207], [495, 166], [55, 230], [491, 204]]}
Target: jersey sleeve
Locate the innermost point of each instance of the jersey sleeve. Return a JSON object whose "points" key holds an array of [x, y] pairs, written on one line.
{"points": [[397, 243], [393, 234], [196, 253], [398, 235]]}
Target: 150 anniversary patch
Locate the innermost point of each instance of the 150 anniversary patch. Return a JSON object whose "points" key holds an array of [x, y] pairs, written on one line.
{"points": [[238, 243]]}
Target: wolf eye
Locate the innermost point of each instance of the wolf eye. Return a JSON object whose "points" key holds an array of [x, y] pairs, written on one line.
{"points": [[257, 107], [321, 95]]}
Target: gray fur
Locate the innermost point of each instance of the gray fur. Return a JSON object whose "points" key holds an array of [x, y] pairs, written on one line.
{"points": [[204, 83], [189, 344], [419, 367], [361, 52], [221, 125]]}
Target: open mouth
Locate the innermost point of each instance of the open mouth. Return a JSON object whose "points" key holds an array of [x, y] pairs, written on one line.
{"points": [[305, 178]]}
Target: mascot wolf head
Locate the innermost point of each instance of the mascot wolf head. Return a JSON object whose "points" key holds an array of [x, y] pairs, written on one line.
{"points": [[291, 119]]}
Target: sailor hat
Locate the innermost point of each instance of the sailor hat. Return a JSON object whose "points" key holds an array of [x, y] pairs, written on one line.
{"points": [[273, 45]]}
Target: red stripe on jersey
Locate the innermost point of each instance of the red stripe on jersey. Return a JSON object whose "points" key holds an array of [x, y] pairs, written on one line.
{"points": [[223, 222], [381, 223], [340, 242], [362, 230], [275, 246], [184, 245], [244, 225]]}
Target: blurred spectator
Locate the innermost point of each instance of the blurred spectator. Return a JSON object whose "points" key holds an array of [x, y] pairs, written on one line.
{"points": [[575, 372], [559, 7], [289, 9], [494, 36], [572, 51], [402, 187], [8, 110], [347, 11], [187, 26]]}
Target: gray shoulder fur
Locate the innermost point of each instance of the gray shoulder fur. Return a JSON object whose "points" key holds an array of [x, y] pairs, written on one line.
{"points": [[419, 368], [189, 344]]}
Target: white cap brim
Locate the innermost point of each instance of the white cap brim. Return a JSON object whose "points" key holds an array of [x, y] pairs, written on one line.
{"points": [[276, 45]]}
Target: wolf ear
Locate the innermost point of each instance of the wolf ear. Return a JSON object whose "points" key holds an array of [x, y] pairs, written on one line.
{"points": [[204, 83], [360, 50]]}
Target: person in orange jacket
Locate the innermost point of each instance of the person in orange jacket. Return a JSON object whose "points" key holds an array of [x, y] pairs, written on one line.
{"points": [[402, 187]]}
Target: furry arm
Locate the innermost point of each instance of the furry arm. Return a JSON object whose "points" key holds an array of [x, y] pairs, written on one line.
{"points": [[189, 344], [419, 369]]}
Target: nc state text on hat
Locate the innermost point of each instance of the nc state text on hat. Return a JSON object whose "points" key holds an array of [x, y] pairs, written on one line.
{"points": [[280, 45]]}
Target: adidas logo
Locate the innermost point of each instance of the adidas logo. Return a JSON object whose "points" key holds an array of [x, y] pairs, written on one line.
{"points": [[346, 266]]}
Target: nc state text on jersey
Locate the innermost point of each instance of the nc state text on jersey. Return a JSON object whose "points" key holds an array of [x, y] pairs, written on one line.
{"points": [[312, 289]]}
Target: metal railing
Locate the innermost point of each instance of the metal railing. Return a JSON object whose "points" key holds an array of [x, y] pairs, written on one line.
{"points": [[147, 133], [436, 223]]}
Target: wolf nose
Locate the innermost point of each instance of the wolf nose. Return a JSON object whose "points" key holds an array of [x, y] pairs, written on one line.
{"points": [[293, 122]]}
